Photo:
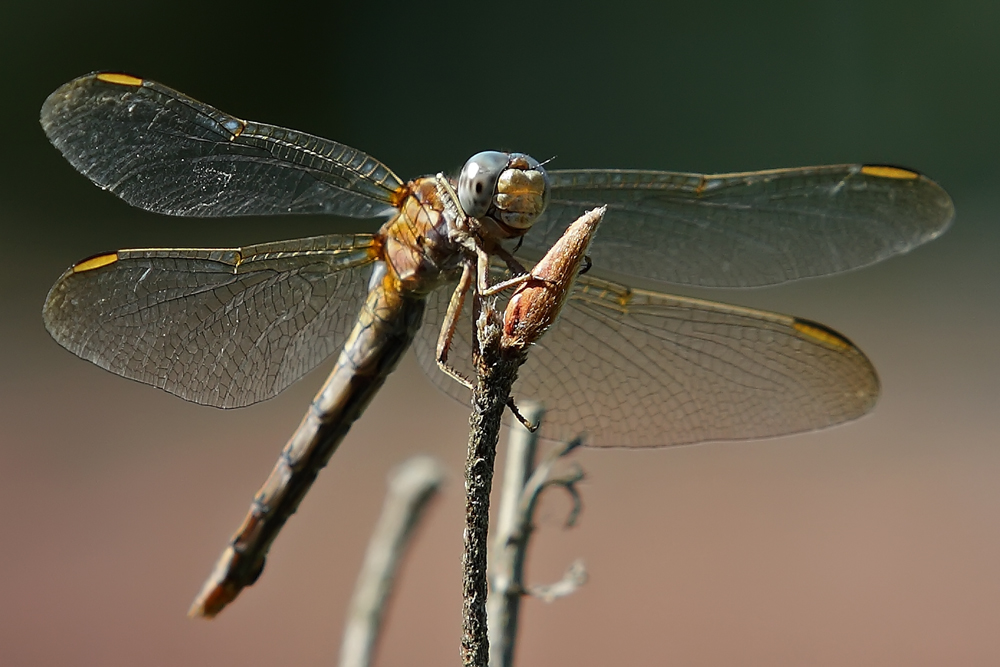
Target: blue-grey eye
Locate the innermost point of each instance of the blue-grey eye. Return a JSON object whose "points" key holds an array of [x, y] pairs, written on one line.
{"points": [[478, 181]]}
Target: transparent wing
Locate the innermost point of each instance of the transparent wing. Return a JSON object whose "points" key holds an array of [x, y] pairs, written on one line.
{"points": [[743, 230], [162, 151], [225, 327], [633, 368]]}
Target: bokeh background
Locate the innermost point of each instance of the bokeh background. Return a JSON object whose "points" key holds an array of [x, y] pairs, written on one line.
{"points": [[875, 543]]}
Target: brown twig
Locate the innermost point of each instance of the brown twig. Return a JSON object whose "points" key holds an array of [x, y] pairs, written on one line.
{"points": [[500, 348], [496, 373]]}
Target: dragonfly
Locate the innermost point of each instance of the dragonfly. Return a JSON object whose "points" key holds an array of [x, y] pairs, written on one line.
{"points": [[628, 366]]}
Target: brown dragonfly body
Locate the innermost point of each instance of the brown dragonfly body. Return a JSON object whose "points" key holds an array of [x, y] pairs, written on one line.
{"points": [[629, 367], [420, 254]]}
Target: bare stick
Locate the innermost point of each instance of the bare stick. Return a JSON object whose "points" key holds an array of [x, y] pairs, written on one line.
{"points": [[503, 603], [411, 486], [500, 348], [517, 509], [496, 372]]}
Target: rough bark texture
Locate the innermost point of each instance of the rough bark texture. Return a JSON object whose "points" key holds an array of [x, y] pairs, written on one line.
{"points": [[497, 370], [501, 348]]}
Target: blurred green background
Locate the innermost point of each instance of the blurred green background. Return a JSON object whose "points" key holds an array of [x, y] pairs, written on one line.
{"points": [[870, 544]]}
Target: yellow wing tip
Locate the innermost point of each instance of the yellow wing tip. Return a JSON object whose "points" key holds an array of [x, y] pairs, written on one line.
{"points": [[885, 171], [821, 334], [120, 79], [95, 262]]}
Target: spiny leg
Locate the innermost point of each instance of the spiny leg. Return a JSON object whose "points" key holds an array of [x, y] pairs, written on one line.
{"points": [[451, 323]]}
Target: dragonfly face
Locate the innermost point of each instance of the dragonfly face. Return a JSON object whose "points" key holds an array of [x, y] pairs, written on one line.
{"points": [[629, 367], [509, 190]]}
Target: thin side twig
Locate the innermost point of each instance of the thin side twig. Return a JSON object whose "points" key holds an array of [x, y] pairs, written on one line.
{"points": [[521, 490], [411, 487], [572, 580], [506, 560]]}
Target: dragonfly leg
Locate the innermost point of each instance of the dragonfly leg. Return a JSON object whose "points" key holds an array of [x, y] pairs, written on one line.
{"points": [[483, 286], [521, 418], [506, 284], [449, 198], [451, 323]]}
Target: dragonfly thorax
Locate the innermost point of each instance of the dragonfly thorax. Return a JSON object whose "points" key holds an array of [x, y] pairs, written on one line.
{"points": [[419, 244], [509, 189]]}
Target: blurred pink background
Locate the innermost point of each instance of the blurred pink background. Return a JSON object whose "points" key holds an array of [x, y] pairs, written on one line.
{"points": [[874, 543]]}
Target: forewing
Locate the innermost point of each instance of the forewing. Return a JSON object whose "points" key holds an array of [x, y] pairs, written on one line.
{"points": [[744, 230], [162, 151], [641, 369], [222, 327]]}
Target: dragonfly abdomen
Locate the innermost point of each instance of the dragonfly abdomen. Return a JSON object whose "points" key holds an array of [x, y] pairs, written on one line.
{"points": [[417, 254], [385, 328]]}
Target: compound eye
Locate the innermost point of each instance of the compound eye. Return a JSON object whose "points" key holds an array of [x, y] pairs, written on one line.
{"points": [[478, 181]]}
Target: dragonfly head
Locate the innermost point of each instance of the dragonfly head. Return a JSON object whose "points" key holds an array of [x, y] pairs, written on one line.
{"points": [[511, 189]]}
